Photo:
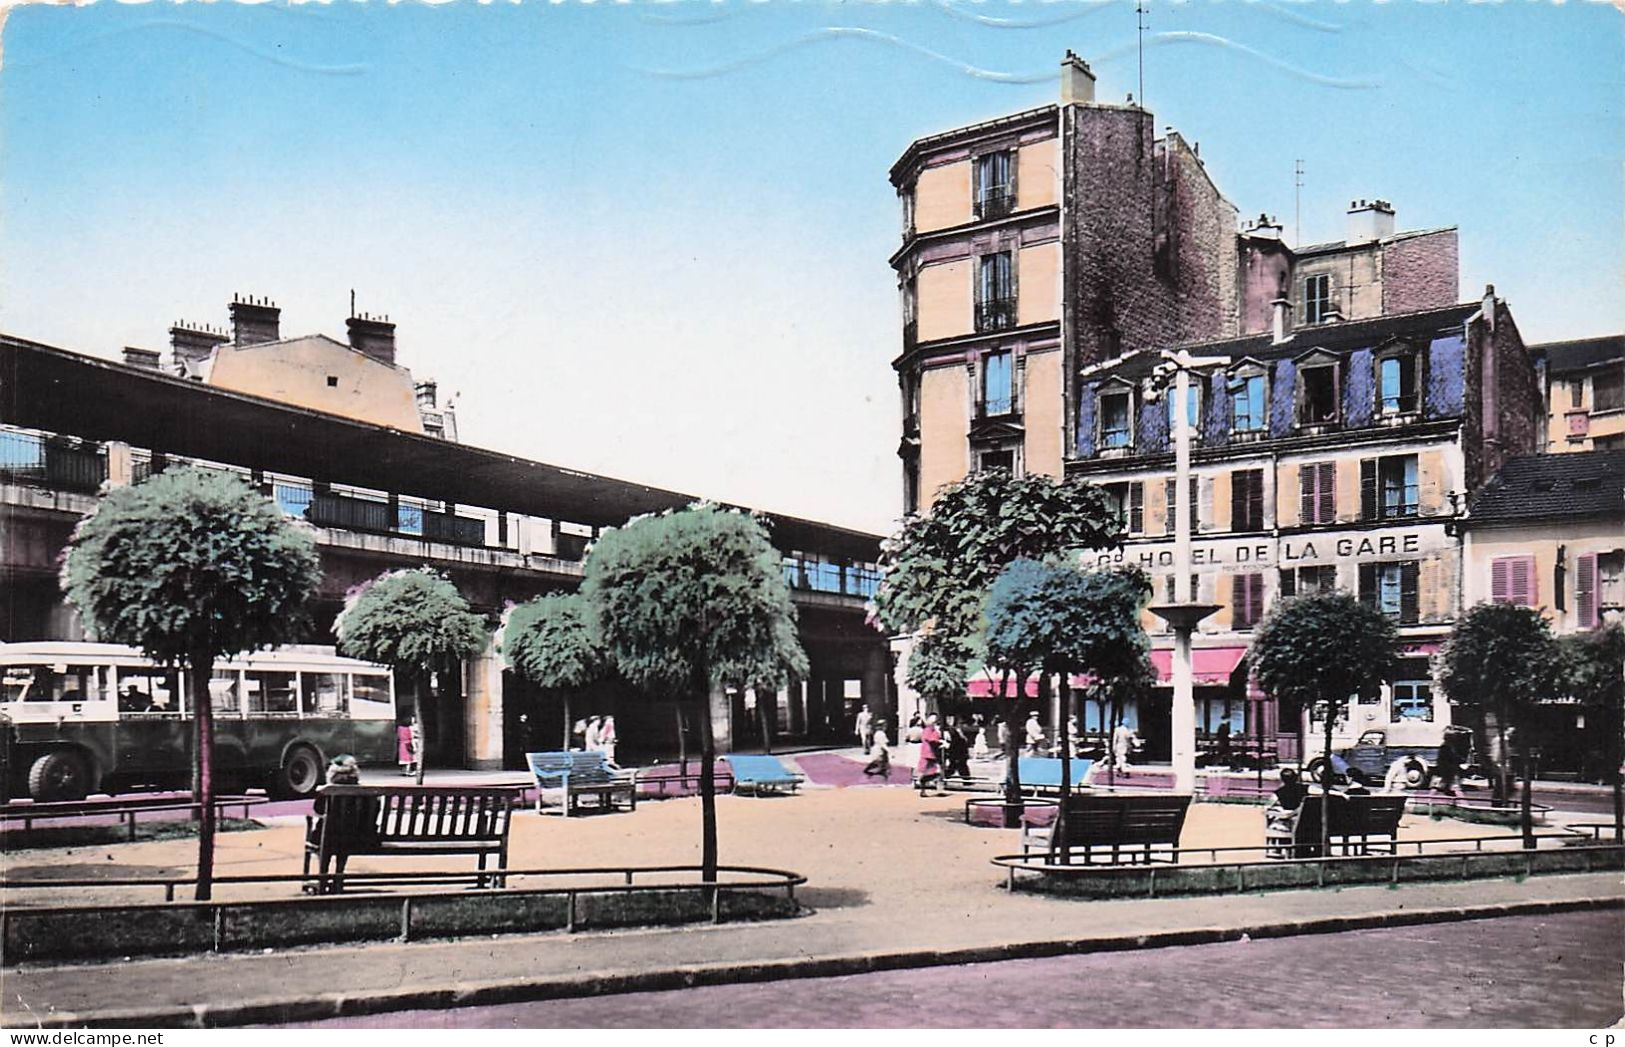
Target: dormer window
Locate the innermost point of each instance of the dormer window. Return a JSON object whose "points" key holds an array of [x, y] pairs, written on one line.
{"points": [[1396, 383], [1317, 298], [1116, 419], [994, 195], [1193, 409], [1317, 393], [1247, 402]]}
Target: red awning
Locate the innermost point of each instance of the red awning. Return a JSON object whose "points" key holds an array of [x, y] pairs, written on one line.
{"points": [[980, 686], [1425, 649], [1211, 665]]}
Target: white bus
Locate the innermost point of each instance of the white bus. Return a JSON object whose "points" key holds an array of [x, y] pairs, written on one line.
{"points": [[76, 718]]}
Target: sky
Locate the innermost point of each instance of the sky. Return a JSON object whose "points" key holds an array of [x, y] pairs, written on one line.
{"points": [[649, 239]]}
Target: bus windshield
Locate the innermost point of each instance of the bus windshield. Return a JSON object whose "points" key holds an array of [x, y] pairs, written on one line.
{"points": [[54, 683]]}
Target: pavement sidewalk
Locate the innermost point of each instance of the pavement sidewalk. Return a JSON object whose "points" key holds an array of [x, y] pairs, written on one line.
{"points": [[317, 983]]}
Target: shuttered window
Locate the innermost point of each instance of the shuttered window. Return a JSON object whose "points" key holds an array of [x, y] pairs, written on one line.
{"points": [[1512, 580], [1585, 591], [1317, 493], [1392, 589], [1246, 600], [1389, 487], [1247, 500], [1190, 504]]}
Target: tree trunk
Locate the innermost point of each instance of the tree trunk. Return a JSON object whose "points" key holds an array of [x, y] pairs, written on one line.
{"points": [[425, 689], [569, 734], [1615, 758], [708, 795], [200, 670], [1326, 787], [682, 740], [1527, 819], [761, 717], [1063, 738], [1013, 806], [1502, 778]]}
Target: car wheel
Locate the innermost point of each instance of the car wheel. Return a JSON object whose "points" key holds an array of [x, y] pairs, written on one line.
{"points": [[1418, 778], [60, 775], [1317, 770], [301, 773]]}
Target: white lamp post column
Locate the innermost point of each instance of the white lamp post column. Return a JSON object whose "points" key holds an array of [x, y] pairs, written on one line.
{"points": [[1184, 613]]}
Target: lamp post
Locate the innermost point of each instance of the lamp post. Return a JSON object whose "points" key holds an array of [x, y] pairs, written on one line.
{"points": [[1184, 613]]}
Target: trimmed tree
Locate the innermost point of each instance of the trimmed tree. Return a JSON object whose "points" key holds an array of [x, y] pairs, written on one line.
{"points": [[1594, 674], [689, 601], [1319, 650], [1503, 659], [192, 566], [549, 642], [416, 622], [1064, 620], [938, 569]]}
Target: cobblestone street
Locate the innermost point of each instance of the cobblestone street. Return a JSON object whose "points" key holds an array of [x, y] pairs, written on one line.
{"points": [[1521, 971]]}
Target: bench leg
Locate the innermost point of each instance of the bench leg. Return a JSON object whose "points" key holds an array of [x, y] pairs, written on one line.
{"points": [[338, 873]]}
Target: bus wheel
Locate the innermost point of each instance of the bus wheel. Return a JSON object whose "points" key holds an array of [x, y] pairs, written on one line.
{"points": [[300, 775], [60, 775]]}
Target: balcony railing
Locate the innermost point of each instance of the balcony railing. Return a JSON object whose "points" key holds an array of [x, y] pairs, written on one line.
{"points": [[995, 203], [995, 314], [31, 459], [365, 514]]}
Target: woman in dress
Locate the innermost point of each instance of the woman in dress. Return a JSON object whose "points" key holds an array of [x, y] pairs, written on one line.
{"points": [[930, 766]]}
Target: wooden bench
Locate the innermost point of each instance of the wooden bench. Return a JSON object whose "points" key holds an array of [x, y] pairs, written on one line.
{"points": [[406, 819], [1357, 825], [761, 773], [581, 774], [1121, 827]]}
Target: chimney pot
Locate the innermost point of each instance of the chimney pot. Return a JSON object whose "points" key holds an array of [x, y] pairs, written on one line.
{"points": [[1282, 320], [1077, 82], [146, 359], [373, 338], [254, 323]]}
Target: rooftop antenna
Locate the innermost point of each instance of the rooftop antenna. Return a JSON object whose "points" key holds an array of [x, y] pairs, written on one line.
{"points": [[1297, 203], [352, 301], [1139, 17]]}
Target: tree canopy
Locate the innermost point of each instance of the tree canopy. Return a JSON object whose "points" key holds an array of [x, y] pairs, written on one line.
{"points": [[1594, 673], [414, 620], [1323, 647], [1500, 657], [549, 641], [191, 561], [1066, 620]]}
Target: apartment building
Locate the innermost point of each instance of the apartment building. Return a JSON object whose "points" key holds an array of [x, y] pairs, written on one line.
{"points": [[1585, 393]]}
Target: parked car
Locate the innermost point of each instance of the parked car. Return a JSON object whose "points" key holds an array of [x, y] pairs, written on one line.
{"points": [[1367, 761]]}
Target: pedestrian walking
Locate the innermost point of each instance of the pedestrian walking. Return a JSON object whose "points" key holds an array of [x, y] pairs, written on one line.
{"points": [[956, 743], [1123, 740], [929, 770], [915, 728], [607, 738], [1004, 737], [417, 744], [1035, 734], [1224, 743], [404, 749], [979, 749], [865, 729], [595, 727]]}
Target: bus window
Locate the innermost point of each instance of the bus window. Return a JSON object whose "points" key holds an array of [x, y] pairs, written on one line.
{"points": [[224, 690], [322, 694], [270, 694], [60, 683], [366, 687], [1413, 700], [144, 691]]}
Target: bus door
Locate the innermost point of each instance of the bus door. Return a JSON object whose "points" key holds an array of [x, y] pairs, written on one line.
{"points": [[154, 735], [231, 736], [324, 706]]}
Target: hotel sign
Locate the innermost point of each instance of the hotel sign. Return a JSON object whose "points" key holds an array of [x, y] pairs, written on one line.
{"points": [[1295, 551]]}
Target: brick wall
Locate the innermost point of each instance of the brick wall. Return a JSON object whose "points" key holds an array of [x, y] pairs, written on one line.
{"points": [[1420, 272]]}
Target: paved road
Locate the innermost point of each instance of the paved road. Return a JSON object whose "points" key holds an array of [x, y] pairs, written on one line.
{"points": [[1512, 972]]}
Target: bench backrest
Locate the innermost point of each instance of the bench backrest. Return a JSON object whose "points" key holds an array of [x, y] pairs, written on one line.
{"points": [[416, 813], [1350, 816], [1096, 819], [584, 768], [749, 769], [1045, 771]]}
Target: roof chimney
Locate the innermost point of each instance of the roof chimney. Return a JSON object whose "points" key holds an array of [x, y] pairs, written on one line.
{"points": [[146, 359], [254, 320], [1266, 228], [192, 344], [1283, 320], [1369, 220], [373, 336], [1077, 82]]}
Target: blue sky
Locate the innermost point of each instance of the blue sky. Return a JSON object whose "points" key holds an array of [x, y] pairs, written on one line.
{"points": [[650, 239]]}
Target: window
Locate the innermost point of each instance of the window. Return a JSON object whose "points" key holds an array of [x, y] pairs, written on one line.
{"points": [[1168, 587], [1608, 390], [1577, 392], [323, 694], [1307, 581], [270, 693], [292, 500], [1115, 420], [994, 195], [1247, 500], [1317, 298], [1396, 383], [1512, 580], [1193, 409], [1413, 700], [154, 691], [1317, 493], [369, 687], [332, 381], [1169, 489], [997, 384], [225, 692], [1317, 395], [1128, 505], [995, 293], [1247, 403], [1388, 487], [1611, 442], [44, 683], [1391, 589], [997, 461], [1246, 600]]}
